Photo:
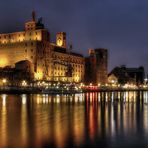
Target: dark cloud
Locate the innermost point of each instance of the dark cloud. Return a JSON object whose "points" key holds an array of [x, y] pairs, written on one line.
{"points": [[119, 25]]}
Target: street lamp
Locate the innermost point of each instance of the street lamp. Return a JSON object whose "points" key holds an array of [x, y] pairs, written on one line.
{"points": [[4, 81], [24, 83]]}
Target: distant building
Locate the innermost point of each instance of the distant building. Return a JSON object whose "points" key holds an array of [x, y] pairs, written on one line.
{"points": [[112, 79], [14, 76], [96, 66], [49, 61], [128, 75]]}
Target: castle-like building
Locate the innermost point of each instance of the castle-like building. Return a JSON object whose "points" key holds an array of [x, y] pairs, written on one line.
{"points": [[49, 61], [96, 65]]}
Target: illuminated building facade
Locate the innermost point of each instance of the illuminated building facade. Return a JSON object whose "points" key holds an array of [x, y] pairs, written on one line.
{"points": [[96, 66], [49, 61]]}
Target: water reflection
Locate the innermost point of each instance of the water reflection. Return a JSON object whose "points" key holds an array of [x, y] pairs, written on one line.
{"points": [[90, 119], [24, 120]]}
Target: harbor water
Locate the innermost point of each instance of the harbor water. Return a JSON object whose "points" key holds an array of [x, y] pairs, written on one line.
{"points": [[100, 119]]}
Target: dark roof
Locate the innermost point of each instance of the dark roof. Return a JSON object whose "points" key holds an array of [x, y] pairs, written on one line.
{"points": [[134, 69], [23, 61], [64, 50], [76, 54], [59, 49], [100, 49]]}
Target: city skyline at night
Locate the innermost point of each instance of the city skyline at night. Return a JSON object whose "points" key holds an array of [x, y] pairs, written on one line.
{"points": [[120, 26], [74, 73]]}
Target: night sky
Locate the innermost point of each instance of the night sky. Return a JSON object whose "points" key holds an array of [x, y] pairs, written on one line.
{"points": [[118, 25]]}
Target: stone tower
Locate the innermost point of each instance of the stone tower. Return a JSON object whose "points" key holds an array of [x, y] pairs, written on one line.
{"points": [[61, 39], [96, 66]]}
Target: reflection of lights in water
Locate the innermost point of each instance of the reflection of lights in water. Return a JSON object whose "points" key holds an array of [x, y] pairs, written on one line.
{"points": [[70, 99], [96, 95], [24, 99], [38, 100], [44, 100], [81, 97], [49, 99], [112, 96], [112, 121], [54, 100], [43, 95], [3, 125], [87, 95], [119, 95], [103, 95], [129, 96], [134, 96], [99, 97], [24, 119], [91, 96], [57, 100], [126, 96], [4, 99], [106, 96], [145, 95], [48, 123], [78, 97], [141, 95]]}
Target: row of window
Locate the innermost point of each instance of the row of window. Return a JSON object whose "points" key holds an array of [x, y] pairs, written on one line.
{"points": [[30, 50], [15, 35], [75, 66], [67, 59], [13, 41], [26, 44], [65, 79], [75, 69], [62, 74]]}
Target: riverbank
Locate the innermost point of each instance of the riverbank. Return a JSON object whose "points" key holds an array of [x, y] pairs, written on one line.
{"points": [[30, 90]]}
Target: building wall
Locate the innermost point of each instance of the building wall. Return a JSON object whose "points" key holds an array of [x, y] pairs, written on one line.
{"points": [[96, 66], [59, 67], [101, 65], [31, 35], [12, 53], [34, 45]]}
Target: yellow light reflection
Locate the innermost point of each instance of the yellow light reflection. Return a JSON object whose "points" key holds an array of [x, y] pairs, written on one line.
{"points": [[24, 118], [3, 125], [4, 99], [24, 99]]}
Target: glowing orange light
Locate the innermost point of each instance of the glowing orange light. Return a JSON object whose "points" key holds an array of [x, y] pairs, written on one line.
{"points": [[3, 61]]}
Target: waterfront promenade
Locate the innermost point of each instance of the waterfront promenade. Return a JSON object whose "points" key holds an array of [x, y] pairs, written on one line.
{"points": [[66, 90]]}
